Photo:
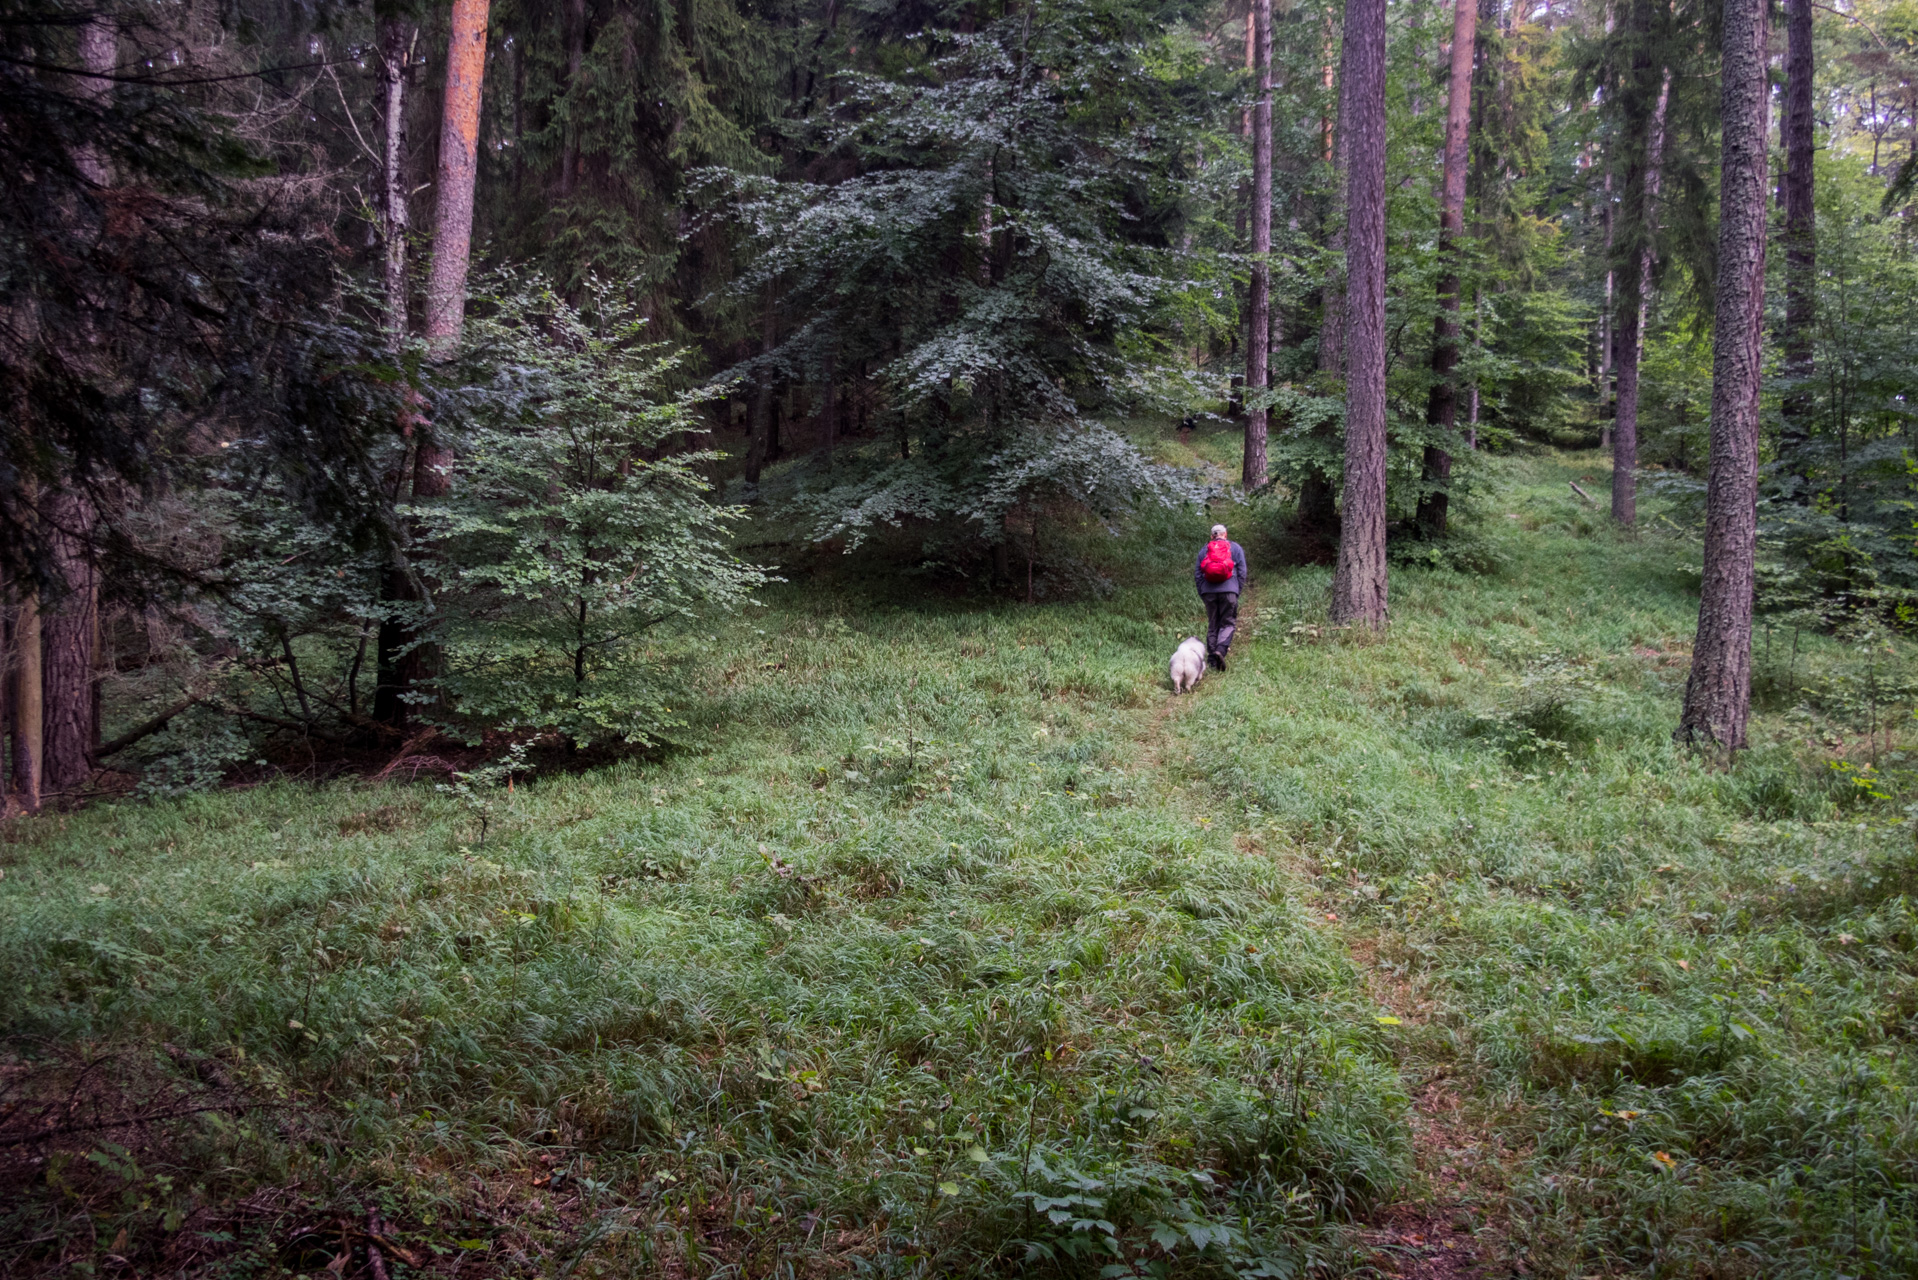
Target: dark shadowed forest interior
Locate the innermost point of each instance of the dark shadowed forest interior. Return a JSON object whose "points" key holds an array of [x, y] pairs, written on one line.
{"points": [[585, 591]]}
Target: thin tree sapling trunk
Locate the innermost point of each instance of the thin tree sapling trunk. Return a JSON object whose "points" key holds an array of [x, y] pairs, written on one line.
{"points": [[1631, 242], [1606, 405], [1718, 693], [760, 445], [1801, 248], [1259, 330], [1442, 406], [829, 406], [575, 62], [1631, 330], [396, 53], [1358, 586], [1318, 503], [1647, 258]]}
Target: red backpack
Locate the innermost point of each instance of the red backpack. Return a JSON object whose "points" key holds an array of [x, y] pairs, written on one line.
{"points": [[1217, 564]]}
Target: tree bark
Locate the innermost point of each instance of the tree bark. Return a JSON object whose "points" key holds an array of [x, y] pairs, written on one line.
{"points": [[99, 54], [396, 52], [25, 705], [1358, 586], [69, 629], [1259, 331], [1442, 407], [1801, 248], [458, 168], [1718, 693]]}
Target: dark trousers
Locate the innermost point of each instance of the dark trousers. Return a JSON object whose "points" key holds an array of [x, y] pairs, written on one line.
{"points": [[1221, 619]]}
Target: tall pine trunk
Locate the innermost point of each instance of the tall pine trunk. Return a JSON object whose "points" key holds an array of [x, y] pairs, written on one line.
{"points": [[1259, 330], [1442, 406], [458, 168], [69, 618], [1801, 247], [1718, 694], [1358, 586]]}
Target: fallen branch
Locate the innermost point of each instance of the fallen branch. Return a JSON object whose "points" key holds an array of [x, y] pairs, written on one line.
{"points": [[374, 1261], [62, 1130], [145, 728], [1581, 493], [408, 748], [278, 722]]}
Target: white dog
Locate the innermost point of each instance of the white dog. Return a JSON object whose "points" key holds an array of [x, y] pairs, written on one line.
{"points": [[1188, 665]]}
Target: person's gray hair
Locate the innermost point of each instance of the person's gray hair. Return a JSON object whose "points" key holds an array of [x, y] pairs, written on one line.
{"points": [[1218, 531]]}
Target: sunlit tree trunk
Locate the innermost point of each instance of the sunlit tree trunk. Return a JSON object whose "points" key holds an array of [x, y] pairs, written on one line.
{"points": [[408, 661], [1358, 586], [458, 168], [1442, 407], [1259, 330], [1718, 694]]}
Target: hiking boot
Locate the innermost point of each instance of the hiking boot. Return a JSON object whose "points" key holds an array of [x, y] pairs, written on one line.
{"points": [[1214, 661]]}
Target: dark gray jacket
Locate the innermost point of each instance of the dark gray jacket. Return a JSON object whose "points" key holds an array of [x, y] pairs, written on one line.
{"points": [[1234, 584]]}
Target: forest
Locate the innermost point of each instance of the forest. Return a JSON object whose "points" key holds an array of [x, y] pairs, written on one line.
{"points": [[585, 591]]}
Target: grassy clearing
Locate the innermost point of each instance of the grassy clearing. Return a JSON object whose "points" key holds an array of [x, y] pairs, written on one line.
{"points": [[914, 966], [956, 946]]}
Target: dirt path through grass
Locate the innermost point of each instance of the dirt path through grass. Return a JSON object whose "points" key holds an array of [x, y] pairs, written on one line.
{"points": [[1451, 1226], [1448, 1226]]}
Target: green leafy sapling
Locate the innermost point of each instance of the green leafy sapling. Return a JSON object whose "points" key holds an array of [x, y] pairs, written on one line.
{"points": [[475, 789], [569, 531]]}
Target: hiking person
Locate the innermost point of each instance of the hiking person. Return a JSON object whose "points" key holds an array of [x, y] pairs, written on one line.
{"points": [[1220, 576]]}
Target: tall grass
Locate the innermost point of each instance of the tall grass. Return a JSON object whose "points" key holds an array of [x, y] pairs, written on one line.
{"points": [[909, 959], [947, 943]]}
